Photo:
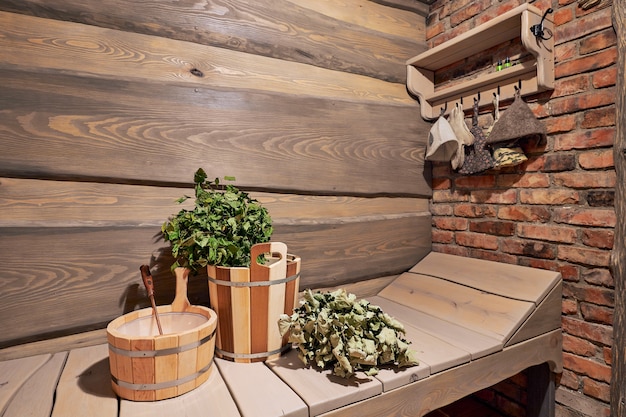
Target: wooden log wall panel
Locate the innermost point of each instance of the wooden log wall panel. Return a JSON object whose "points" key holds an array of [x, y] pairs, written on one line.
{"points": [[356, 36], [359, 148], [58, 280], [38, 203], [109, 107]]}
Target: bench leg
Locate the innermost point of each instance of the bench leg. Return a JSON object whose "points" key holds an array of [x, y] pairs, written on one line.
{"points": [[541, 389]]}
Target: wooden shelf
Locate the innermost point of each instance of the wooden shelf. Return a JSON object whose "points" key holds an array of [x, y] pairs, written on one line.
{"points": [[535, 76]]}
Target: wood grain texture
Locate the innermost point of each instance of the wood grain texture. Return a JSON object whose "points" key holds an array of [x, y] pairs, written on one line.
{"points": [[618, 256], [283, 29], [85, 385], [15, 373], [99, 134], [431, 393], [489, 314], [42, 386], [512, 281], [260, 393]]}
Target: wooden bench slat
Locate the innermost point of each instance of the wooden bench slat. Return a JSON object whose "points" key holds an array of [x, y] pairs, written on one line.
{"points": [[513, 281], [210, 399], [489, 314], [321, 390], [42, 386], [14, 373], [260, 393], [85, 385], [476, 344]]}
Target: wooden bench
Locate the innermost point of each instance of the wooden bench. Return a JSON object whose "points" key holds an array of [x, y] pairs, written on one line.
{"points": [[473, 323]]}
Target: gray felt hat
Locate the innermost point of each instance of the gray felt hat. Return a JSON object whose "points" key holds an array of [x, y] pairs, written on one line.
{"points": [[518, 121]]}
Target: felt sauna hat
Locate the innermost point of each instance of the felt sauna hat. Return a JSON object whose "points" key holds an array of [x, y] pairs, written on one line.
{"points": [[518, 121], [442, 142]]}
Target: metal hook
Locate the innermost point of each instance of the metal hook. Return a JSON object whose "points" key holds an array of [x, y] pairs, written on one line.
{"points": [[538, 29], [443, 110]]}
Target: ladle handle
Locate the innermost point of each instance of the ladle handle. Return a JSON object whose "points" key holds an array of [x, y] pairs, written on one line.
{"points": [[181, 302], [146, 276]]}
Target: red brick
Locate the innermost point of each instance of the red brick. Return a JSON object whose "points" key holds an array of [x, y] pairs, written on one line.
{"points": [[489, 197], [441, 209], [556, 161], [578, 346], [530, 248], [598, 276], [568, 307], [593, 332], [585, 179], [601, 198], [597, 42], [494, 12], [525, 180], [579, 102], [587, 139], [441, 170], [496, 228], [451, 249], [556, 197], [475, 182], [492, 256], [607, 355], [450, 223], [477, 240], [604, 78], [548, 265], [598, 118], [447, 196], [584, 256], [596, 159], [524, 213], [596, 389], [585, 216], [581, 27], [473, 210], [434, 30], [471, 10], [441, 236], [572, 85], [560, 124], [441, 183], [597, 314], [565, 51], [598, 238], [590, 294], [569, 380], [562, 16], [547, 232], [510, 408], [587, 63], [569, 272], [587, 367]]}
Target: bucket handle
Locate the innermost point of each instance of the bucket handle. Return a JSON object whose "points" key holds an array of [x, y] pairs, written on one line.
{"points": [[276, 270], [181, 302]]}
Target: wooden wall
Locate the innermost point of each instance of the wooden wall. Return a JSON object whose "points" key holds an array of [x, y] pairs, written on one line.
{"points": [[108, 107]]}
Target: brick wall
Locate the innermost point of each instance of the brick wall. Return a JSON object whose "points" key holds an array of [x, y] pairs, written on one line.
{"points": [[556, 210]]}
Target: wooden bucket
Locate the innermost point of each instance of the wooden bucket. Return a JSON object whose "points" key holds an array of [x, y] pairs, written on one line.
{"points": [[249, 302], [146, 366]]}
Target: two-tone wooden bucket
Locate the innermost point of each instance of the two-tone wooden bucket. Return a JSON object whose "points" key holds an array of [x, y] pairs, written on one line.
{"points": [[249, 302], [146, 366]]}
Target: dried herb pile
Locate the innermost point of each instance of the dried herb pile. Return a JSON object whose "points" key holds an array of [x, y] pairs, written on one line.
{"points": [[334, 329]]}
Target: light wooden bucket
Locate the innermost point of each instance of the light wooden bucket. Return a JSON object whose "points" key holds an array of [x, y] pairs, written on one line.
{"points": [[249, 302], [146, 366]]}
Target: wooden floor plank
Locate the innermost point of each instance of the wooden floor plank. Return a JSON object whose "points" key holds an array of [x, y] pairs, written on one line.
{"points": [[319, 389], [211, 399], [14, 373], [514, 281], [476, 344], [85, 385], [492, 315], [259, 392], [42, 386]]}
